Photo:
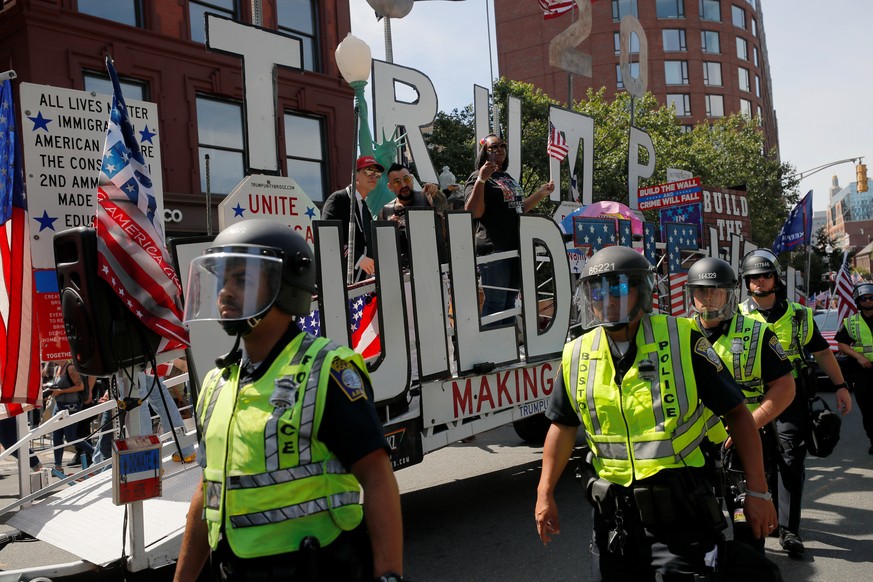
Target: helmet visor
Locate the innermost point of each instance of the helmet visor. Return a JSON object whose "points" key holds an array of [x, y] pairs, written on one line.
{"points": [[231, 286], [711, 302], [615, 298]]}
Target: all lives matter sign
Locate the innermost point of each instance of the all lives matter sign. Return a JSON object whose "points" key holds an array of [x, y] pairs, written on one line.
{"points": [[63, 131]]}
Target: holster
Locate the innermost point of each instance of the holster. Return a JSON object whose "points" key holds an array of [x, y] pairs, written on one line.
{"points": [[672, 497]]}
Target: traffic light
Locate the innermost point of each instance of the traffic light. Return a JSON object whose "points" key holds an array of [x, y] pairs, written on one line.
{"points": [[861, 169]]}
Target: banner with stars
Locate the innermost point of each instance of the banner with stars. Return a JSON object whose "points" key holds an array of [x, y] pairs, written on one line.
{"points": [[592, 234], [679, 237], [62, 134]]}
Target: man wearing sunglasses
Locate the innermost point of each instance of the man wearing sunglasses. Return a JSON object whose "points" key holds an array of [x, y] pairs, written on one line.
{"points": [[639, 385], [338, 206], [753, 354], [855, 339], [793, 325]]}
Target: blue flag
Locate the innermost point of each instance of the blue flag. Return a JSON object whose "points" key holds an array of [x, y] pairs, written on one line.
{"points": [[797, 230]]}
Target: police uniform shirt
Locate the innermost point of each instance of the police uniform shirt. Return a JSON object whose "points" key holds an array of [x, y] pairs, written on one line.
{"points": [[715, 387], [774, 361], [349, 427], [816, 344], [843, 336]]}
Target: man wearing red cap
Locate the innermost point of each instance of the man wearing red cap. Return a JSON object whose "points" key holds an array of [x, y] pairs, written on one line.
{"points": [[338, 205]]}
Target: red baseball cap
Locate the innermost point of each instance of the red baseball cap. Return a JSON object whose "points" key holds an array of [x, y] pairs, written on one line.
{"points": [[366, 162]]}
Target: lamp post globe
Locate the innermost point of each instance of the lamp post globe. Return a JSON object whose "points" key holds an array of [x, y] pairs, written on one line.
{"points": [[391, 8], [353, 57]]}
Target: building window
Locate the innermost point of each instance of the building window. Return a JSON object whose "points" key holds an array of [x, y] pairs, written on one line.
{"points": [[99, 83], [297, 18], [754, 28], [304, 153], [124, 11], [676, 72], [686, 128], [710, 10], [712, 74], [752, 3], [197, 11], [622, 8], [744, 80], [634, 43], [760, 113], [670, 8], [742, 49], [738, 16], [709, 42], [674, 39], [635, 73], [746, 108], [681, 102], [755, 55], [714, 106], [757, 86], [220, 134]]}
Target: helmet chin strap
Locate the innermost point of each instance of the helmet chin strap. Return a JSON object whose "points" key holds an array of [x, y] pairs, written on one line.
{"points": [[233, 356], [763, 293]]}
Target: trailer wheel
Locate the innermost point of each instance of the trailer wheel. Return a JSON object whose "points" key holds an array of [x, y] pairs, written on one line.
{"points": [[532, 429]]}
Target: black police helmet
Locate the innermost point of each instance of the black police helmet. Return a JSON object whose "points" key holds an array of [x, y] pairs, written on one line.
{"points": [[298, 268], [712, 272], [760, 262], [619, 263], [861, 289], [617, 260]]}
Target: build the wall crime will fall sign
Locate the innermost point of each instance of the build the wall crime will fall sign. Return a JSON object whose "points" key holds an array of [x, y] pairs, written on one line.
{"points": [[277, 197]]}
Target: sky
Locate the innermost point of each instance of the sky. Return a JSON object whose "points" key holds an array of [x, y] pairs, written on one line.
{"points": [[820, 67]]}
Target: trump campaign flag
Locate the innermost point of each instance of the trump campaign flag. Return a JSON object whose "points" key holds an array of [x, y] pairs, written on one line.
{"points": [[19, 343], [131, 254], [797, 230]]}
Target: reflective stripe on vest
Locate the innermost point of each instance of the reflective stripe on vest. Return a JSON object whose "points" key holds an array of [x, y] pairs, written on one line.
{"points": [[862, 338], [794, 328], [296, 511]]}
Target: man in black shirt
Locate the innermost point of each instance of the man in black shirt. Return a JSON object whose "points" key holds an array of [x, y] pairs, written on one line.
{"points": [[855, 339]]}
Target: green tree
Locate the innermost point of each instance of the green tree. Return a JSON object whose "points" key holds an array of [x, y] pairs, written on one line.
{"points": [[452, 143]]}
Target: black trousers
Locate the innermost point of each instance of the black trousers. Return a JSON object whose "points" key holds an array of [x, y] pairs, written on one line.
{"points": [[787, 485], [863, 382], [349, 557]]}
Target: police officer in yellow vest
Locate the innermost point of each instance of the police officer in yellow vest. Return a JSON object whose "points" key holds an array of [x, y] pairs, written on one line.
{"points": [[753, 354], [289, 435], [638, 384], [793, 325], [855, 339]]}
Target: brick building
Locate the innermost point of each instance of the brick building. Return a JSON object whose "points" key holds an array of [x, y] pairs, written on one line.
{"points": [[708, 58], [159, 53]]}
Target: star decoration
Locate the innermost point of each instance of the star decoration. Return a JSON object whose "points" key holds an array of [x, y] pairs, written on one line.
{"points": [[310, 212], [238, 210], [146, 135], [40, 122], [45, 221]]}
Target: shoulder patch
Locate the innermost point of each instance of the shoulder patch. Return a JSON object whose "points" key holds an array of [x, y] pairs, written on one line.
{"points": [[704, 348], [349, 379], [777, 347]]}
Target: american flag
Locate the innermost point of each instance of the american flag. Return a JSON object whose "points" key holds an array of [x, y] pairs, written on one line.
{"points": [[19, 342], [679, 236], [555, 8], [557, 144], [843, 293], [132, 256], [363, 323]]}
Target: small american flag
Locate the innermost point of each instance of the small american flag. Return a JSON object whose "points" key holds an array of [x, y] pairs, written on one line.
{"points": [[557, 147], [131, 254], [363, 324], [19, 342], [679, 236], [555, 8], [843, 293]]}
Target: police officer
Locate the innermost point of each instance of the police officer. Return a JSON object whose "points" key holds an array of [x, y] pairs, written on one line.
{"points": [[638, 384], [753, 354], [289, 432], [855, 339], [793, 325]]}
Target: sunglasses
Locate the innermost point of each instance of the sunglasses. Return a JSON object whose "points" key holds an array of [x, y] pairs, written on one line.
{"points": [[763, 276], [404, 180], [865, 298], [371, 173], [496, 147], [616, 290]]}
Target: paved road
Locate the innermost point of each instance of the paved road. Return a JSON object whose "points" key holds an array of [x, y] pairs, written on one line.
{"points": [[468, 515]]}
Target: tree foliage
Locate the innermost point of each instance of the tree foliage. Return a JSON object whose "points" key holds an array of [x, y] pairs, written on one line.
{"points": [[725, 153]]}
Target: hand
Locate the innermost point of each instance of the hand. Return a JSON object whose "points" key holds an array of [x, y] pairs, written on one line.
{"points": [[844, 400], [546, 515], [429, 190], [547, 188], [760, 515], [864, 362], [368, 265], [487, 169], [56, 391]]}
